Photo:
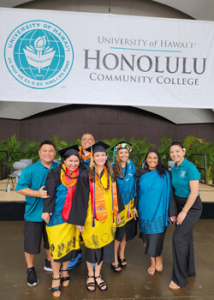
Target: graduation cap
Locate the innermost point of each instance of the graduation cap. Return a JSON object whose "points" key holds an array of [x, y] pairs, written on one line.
{"points": [[122, 145], [72, 150], [98, 147]]}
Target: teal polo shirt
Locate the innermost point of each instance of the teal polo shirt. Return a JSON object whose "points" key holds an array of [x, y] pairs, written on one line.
{"points": [[181, 176], [34, 177]]}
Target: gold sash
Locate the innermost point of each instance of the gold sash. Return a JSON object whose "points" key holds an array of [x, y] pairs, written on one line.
{"points": [[103, 231], [127, 213]]}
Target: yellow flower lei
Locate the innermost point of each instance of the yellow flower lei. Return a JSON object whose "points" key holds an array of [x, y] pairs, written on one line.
{"points": [[84, 157], [64, 180]]}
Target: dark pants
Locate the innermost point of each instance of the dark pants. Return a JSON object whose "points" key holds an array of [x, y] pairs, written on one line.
{"points": [[182, 243]]}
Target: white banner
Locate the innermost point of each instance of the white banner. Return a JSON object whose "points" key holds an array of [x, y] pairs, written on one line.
{"points": [[82, 58]]}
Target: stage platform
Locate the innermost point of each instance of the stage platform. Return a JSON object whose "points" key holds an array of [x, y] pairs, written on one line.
{"points": [[12, 204], [133, 283]]}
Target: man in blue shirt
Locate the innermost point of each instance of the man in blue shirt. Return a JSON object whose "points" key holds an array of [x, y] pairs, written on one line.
{"points": [[31, 184]]}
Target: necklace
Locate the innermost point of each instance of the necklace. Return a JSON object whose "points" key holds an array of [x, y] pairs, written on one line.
{"points": [[121, 177], [99, 182], [83, 156], [64, 174]]}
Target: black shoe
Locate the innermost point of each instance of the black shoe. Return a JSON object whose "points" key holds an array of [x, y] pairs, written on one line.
{"points": [[31, 277], [47, 266], [116, 268]]}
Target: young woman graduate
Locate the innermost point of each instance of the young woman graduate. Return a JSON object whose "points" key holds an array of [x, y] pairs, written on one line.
{"points": [[95, 211], [127, 229], [155, 203], [64, 239], [86, 141], [185, 180]]}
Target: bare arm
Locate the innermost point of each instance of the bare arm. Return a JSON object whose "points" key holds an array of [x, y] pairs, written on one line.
{"points": [[41, 193], [194, 187]]}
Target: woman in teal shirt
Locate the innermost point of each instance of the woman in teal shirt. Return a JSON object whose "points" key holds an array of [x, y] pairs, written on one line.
{"points": [[185, 180]]}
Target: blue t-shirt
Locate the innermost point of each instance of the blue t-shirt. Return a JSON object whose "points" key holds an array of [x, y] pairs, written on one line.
{"points": [[34, 177], [181, 176]]}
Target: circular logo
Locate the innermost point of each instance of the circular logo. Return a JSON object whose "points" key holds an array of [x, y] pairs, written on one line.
{"points": [[39, 54], [101, 208], [105, 237]]}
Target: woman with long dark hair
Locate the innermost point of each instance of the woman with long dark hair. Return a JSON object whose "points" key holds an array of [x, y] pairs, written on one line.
{"points": [[155, 204], [64, 239], [185, 180], [127, 229], [95, 211]]}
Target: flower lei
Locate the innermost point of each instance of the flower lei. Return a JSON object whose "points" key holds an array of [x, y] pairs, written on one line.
{"points": [[99, 183], [123, 146], [63, 176], [84, 157]]}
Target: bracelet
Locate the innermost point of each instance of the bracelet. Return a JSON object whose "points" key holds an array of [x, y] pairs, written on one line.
{"points": [[186, 211], [134, 209]]}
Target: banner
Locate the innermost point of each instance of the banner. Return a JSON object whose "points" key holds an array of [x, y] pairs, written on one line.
{"points": [[84, 58]]}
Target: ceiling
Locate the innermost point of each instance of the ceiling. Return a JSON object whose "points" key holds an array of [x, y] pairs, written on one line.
{"points": [[197, 9]]}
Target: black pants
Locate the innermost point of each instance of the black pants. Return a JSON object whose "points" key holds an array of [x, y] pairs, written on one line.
{"points": [[182, 243]]}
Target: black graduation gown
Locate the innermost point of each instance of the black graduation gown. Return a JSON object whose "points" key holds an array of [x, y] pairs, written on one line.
{"points": [[154, 242], [78, 216], [52, 182]]}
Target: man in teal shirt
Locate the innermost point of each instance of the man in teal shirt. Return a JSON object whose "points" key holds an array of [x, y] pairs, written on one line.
{"points": [[31, 184]]}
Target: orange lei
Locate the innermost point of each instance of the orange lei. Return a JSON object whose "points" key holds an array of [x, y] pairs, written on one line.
{"points": [[64, 180], [82, 155]]}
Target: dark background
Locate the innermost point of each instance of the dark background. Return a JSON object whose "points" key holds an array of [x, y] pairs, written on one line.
{"points": [[70, 122]]}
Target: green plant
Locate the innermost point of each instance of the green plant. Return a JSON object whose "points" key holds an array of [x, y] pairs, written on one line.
{"points": [[30, 150], [112, 143], [163, 149], [12, 146], [14, 149], [139, 149]]}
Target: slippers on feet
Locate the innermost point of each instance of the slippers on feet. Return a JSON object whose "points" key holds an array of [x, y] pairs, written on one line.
{"points": [[116, 268], [122, 262]]}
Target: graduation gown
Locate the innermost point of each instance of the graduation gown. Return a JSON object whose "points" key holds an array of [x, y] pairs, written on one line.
{"points": [[64, 239], [80, 211]]}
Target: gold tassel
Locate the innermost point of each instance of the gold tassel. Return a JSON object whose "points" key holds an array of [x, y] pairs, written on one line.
{"points": [[91, 160]]}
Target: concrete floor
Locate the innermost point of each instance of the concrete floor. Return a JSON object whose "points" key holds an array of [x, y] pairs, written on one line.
{"points": [[133, 283]]}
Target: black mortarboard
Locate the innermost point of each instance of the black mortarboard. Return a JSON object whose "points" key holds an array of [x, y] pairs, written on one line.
{"points": [[72, 150], [98, 147]]}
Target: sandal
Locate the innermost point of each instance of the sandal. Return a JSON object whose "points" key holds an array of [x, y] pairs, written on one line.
{"points": [[101, 284], [90, 284], [56, 289], [65, 280], [122, 260], [115, 267]]}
